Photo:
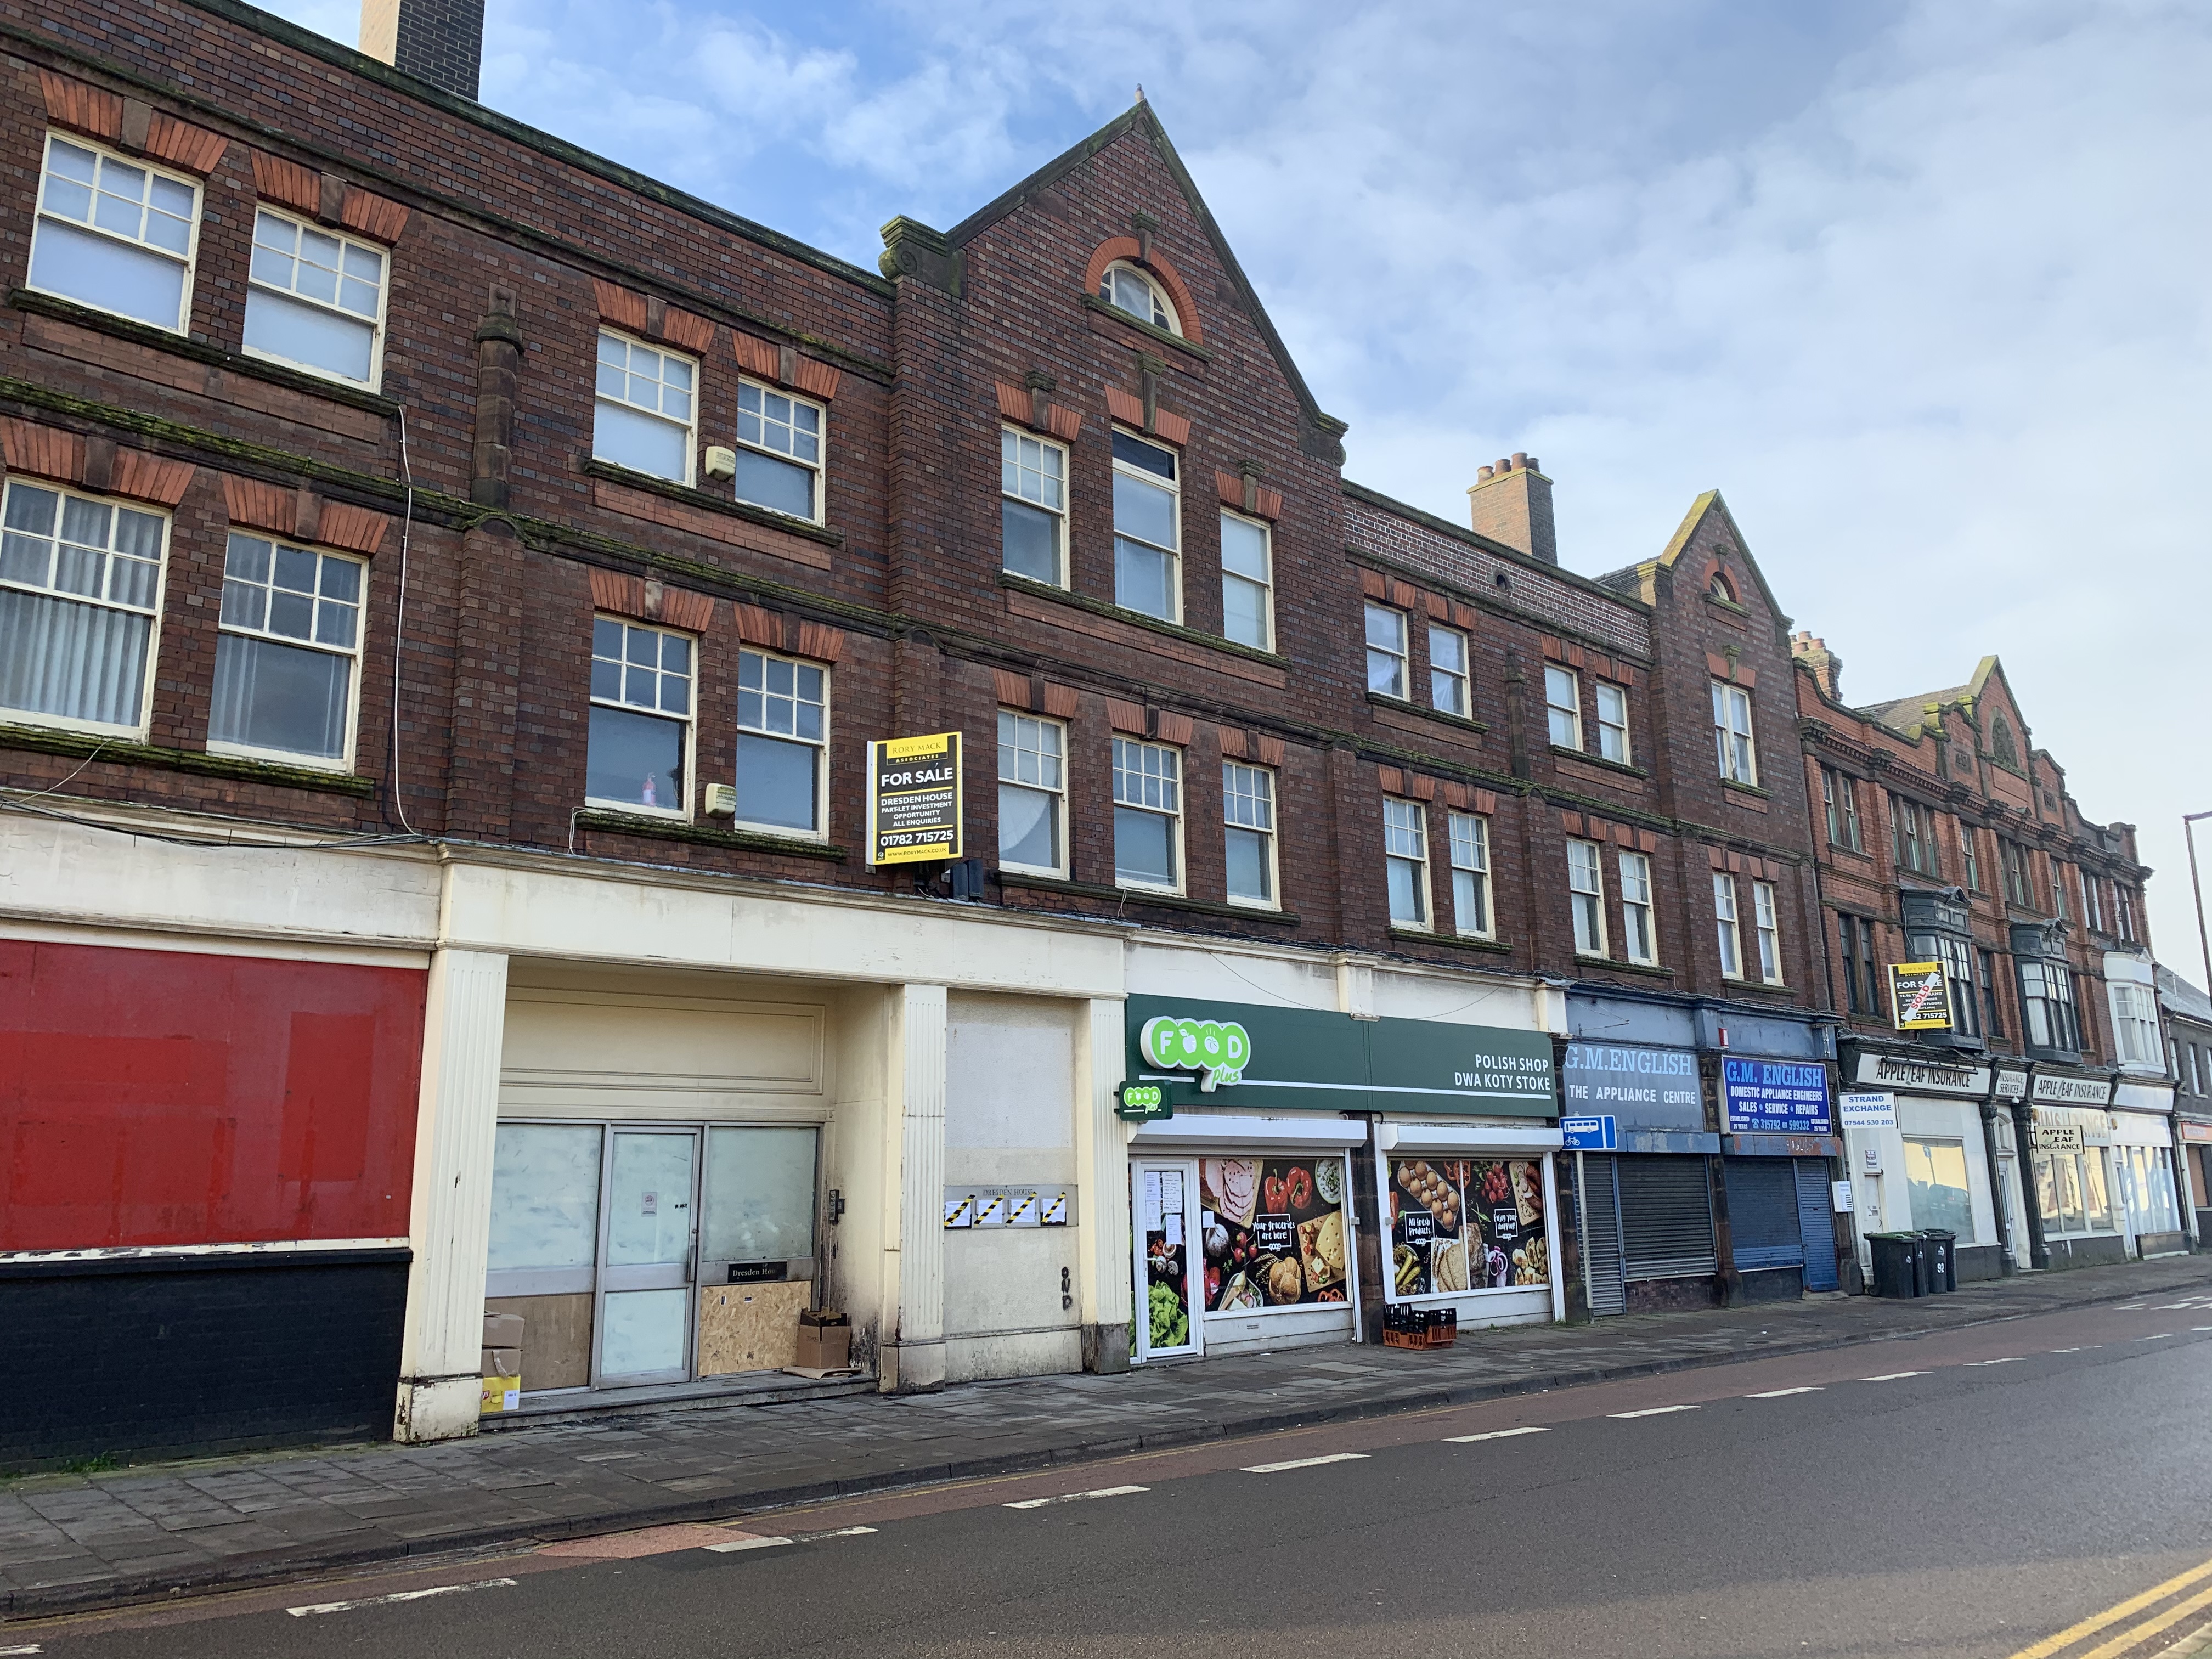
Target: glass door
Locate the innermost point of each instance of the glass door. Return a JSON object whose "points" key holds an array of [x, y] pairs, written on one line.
{"points": [[1165, 1193], [649, 1235]]}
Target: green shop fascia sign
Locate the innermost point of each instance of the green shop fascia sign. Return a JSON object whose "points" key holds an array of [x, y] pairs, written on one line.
{"points": [[1248, 1056]]}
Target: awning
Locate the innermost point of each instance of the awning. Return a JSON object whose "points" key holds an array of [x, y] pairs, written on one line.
{"points": [[1191, 1131], [1465, 1138]]}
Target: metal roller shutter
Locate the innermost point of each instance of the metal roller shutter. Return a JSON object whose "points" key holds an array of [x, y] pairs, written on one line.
{"points": [[1601, 1237], [1816, 1222], [1762, 1194], [1666, 1218]]}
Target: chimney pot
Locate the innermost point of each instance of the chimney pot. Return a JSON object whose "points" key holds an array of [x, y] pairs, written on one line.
{"points": [[1484, 474], [1520, 460], [1532, 465], [1511, 502]]}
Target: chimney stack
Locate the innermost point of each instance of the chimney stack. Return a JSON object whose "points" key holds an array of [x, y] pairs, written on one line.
{"points": [[1826, 667], [1511, 502], [440, 41]]}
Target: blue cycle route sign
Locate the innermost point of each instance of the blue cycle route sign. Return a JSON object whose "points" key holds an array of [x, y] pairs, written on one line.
{"points": [[1590, 1135]]}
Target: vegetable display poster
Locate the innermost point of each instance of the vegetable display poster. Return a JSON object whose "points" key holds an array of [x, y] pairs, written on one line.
{"points": [[1460, 1225], [1272, 1232]]}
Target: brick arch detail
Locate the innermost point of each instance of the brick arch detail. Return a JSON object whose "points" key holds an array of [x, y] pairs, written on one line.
{"points": [[1125, 248], [1716, 567]]}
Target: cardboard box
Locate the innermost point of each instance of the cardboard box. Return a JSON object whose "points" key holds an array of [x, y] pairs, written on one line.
{"points": [[501, 1394], [825, 1340], [502, 1330], [502, 1362]]}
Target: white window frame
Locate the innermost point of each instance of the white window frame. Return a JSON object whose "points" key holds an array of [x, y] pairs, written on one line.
{"points": [[1638, 914], [630, 344], [821, 830], [1735, 745], [1174, 554], [1612, 734], [1766, 924], [686, 786], [1563, 701], [345, 760], [190, 260], [1022, 723], [820, 465], [1405, 841], [1727, 931], [1840, 802], [1236, 799], [1170, 776], [138, 728], [1460, 679], [1015, 470], [1266, 585], [375, 379], [1469, 837], [1164, 316], [2134, 1025], [1399, 659], [1970, 859], [1586, 896]]}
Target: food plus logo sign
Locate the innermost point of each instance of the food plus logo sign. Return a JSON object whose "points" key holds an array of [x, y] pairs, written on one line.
{"points": [[1216, 1049]]}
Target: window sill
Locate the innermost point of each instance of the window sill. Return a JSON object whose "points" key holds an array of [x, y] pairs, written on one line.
{"points": [[1407, 706], [1456, 941], [1747, 788], [1017, 878], [1150, 330], [1612, 965], [128, 752], [730, 508], [1756, 987], [1139, 619], [181, 345], [1588, 759], [744, 841]]}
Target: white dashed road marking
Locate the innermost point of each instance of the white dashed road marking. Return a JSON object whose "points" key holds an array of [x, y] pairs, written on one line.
{"points": [[842, 1532], [1495, 1434], [1076, 1497], [2160, 1337], [737, 1544], [2009, 1359], [377, 1600], [1893, 1377], [32, 1647], [1776, 1394], [1653, 1411], [1303, 1463]]}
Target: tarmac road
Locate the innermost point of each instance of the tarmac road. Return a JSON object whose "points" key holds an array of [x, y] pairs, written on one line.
{"points": [[1979, 1492]]}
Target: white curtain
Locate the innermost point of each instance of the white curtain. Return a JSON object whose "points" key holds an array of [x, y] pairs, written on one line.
{"points": [[83, 662]]}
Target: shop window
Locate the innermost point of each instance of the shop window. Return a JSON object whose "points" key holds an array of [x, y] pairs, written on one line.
{"points": [[79, 587], [1767, 924], [1839, 800], [1470, 866], [1147, 528], [1732, 734], [1386, 650], [1612, 722], [315, 299], [1449, 677], [643, 410], [1129, 290], [1247, 592], [114, 235], [288, 657], [780, 450], [2134, 1026], [1935, 1184], [1032, 793], [1247, 811], [1033, 506], [1563, 706], [2071, 1190], [1970, 863], [1147, 815], [1639, 936], [1586, 896], [1724, 918], [1406, 862], [783, 729], [1461, 1224], [640, 745]]}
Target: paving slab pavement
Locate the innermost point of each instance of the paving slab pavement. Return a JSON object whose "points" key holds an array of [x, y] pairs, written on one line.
{"points": [[73, 1542]]}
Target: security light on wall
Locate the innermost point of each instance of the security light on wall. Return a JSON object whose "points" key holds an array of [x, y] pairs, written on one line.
{"points": [[720, 462], [721, 800]]}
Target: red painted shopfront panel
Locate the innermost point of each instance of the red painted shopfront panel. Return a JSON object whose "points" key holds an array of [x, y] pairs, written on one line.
{"points": [[153, 1097]]}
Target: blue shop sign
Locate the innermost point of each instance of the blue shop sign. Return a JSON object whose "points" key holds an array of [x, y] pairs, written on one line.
{"points": [[1644, 1088], [1775, 1096]]}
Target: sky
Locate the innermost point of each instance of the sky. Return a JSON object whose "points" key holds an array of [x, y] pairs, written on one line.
{"points": [[1921, 288]]}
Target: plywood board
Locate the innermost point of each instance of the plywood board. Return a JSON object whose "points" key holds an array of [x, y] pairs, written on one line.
{"points": [[556, 1338], [750, 1328]]}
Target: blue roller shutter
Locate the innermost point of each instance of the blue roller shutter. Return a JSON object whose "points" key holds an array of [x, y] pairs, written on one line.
{"points": [[1816, 1221], [1762, 1195]]}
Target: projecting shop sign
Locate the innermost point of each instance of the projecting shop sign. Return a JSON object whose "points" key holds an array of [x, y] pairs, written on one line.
{"points": [[913, 798]]}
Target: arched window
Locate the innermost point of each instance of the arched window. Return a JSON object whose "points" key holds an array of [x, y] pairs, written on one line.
{"points": [[1721, 587], [2001, 743], [1125, 288]]}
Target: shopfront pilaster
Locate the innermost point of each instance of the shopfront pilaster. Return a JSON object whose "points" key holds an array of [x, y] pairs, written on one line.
{"points": [[913, 1356], [464, 1024], [1101, 1153]]}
